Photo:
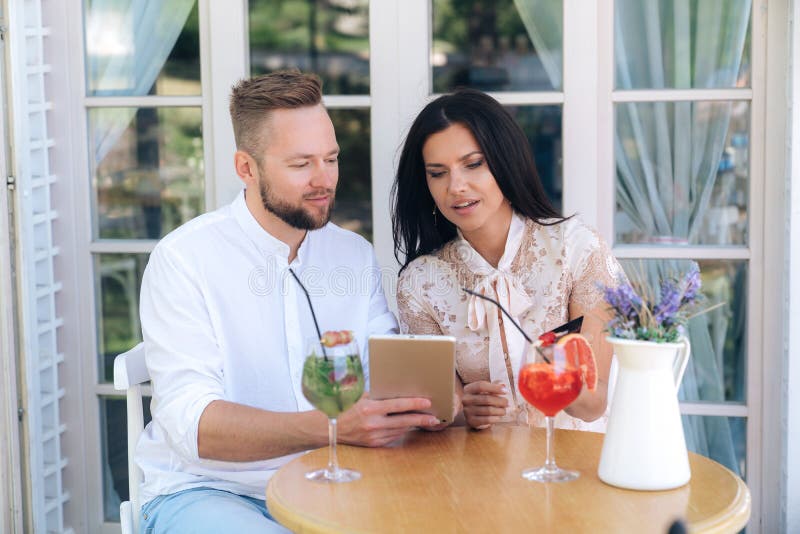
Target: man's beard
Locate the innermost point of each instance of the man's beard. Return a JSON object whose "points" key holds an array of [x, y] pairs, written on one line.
{"points": [[296, 216]]}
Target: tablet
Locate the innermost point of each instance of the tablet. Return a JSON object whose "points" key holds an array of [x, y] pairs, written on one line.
{"points": [[414, 366]]}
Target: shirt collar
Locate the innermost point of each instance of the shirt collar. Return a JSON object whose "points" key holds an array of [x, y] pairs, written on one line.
{"points": [[266, 243], [479, 265]]}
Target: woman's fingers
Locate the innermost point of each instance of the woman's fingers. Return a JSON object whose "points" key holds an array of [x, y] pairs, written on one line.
{"points": [[484, 400], [484, 388]]}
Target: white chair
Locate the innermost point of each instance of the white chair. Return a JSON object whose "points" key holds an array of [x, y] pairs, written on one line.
{"points": [[130, 372]]}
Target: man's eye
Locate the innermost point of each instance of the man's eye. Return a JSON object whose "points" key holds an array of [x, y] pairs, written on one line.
{"points": [[299, 165], [475, 164], [332, 161]]}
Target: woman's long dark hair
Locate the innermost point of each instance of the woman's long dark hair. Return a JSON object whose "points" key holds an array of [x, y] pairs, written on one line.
{"points": [[507, 153]]}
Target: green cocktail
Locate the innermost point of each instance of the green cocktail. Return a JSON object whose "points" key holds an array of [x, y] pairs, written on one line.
{"points": [[333, 384], [333, 381]]}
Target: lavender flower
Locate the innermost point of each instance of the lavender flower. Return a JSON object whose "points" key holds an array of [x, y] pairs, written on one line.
{"points": [[692, 285], [636, 316], [624, 300], [669, 304]]}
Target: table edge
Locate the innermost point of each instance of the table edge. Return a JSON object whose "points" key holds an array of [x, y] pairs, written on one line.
{"points": [[296, 522], [735, 517]]}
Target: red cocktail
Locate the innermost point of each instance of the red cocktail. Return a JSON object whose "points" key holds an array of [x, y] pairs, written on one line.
{"points": [[550, 378], [549, 389]]}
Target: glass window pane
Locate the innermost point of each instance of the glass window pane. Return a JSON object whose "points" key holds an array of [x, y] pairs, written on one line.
{"points": [[328, 38], [682, 172], [723, 439], [114, 442], [717, 367], [682, 45], [118, 278], [542, 127], [147, 170], [497, 45], [141, 48], [353, 208]]}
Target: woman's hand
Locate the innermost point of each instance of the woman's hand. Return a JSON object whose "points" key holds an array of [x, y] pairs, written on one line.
{"points": [[484, 404], [456, 411]]}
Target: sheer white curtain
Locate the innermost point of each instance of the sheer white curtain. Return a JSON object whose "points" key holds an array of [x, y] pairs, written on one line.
{"points": [[127, 44], [545, 26], [668, 154]]}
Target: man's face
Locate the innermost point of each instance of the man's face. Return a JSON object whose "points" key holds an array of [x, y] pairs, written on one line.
{"points": [[298, 167]]}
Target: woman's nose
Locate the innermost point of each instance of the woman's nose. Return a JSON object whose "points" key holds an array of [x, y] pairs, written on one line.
{"points": [[458, 182]]}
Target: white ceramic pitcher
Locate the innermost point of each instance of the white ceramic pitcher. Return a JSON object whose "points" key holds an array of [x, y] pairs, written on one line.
{"points": [[644, 447]]}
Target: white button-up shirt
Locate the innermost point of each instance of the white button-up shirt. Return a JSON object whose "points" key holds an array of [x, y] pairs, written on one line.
{"points": [[222, 318]]}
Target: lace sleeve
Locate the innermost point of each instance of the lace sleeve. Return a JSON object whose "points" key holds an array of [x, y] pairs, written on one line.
{"points": [[593, 268], [414, 315]]}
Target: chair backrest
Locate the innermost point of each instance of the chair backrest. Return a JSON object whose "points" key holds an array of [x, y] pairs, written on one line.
{"points": [[130, 372]]}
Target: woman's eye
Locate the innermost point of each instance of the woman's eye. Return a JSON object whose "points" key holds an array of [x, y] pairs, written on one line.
{"points": [[475, 164], [435, 174]]}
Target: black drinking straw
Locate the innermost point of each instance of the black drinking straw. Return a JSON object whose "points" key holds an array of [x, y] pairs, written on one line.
{"points": [[313, 315], [513, 321]]}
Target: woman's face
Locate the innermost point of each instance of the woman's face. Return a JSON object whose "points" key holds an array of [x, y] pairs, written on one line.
{"points": [[460, 182]]}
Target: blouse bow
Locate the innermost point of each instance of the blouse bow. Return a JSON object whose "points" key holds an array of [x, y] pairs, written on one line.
{"points": [[481, 313]]}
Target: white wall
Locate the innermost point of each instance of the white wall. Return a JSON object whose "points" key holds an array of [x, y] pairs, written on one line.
{"points": [[792, 459]]}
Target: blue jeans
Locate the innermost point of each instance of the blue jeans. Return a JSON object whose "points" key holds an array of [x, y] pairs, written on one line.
{"points": [[206, 510]]}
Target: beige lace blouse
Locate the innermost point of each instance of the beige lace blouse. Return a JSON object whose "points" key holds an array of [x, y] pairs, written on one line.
{"points": [[543, 271]]}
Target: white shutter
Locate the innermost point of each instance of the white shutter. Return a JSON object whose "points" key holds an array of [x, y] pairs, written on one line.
{"points": [[39, 322]]}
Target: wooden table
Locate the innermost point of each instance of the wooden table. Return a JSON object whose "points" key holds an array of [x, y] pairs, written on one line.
{"points": [[465, 481]]}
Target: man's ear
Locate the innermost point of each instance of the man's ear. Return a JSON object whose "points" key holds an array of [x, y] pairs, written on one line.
{"points": [[246, 167]]}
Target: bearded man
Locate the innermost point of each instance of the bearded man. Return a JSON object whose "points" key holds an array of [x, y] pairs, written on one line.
{"points": [[225, 323]]}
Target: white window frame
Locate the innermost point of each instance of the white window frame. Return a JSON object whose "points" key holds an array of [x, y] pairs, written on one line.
{"points": [[753, 253], [792, 303], [10, 474], [400, 85], [87, 246]]}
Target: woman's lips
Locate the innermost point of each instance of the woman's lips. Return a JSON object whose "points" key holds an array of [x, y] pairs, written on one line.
{"points": [[465, 207]]}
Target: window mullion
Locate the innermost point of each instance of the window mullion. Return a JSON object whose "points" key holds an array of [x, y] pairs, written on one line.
{"points": [[223, 50], [580, 113], [683, 95], [400, 33], [606, 171]]}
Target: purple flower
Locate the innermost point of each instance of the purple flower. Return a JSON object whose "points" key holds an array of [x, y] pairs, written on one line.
{"points": [[624, 300], [664, 320], [669, 304], [692, 281]]}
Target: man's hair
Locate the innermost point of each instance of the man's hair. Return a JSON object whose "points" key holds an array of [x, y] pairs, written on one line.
{"points": [[253, 99]]}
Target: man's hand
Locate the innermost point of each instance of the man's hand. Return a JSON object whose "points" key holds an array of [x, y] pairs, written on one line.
{"points": [[484, 404], [375, 423]]}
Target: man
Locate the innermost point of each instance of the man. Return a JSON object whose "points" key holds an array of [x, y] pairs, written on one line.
{"points": [[225, 323]]}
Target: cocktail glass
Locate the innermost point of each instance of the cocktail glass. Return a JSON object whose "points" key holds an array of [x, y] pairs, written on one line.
{"points": [[333, 380], [549, 380]]}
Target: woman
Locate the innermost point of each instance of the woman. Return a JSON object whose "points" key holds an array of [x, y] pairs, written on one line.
{"points": [[470, 212]]}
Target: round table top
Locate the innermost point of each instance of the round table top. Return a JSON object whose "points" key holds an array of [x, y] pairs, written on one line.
{"points": [[461, 480]]}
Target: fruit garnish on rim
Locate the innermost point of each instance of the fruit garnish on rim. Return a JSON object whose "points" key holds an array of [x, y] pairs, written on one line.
{"points": [[332, 338], [579, 350]]}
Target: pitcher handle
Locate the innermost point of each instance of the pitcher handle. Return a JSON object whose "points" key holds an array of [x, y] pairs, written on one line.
{"points": [[681, 360]]}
